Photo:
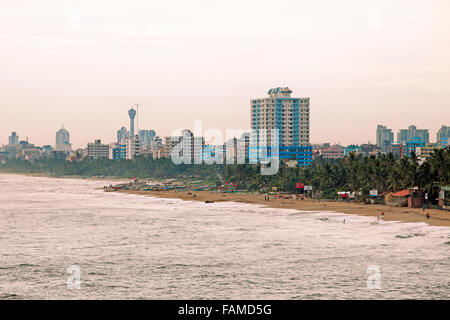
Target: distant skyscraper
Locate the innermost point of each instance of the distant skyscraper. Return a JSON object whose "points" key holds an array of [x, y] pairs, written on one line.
{"points": [[443, 136], [385, 137], [132, 114], [146, 137], [63, 140], [290, 116], [413, 134], [122, 134], [13, 139]]}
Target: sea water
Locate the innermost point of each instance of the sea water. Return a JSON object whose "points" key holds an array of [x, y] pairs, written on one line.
{"points": [[66, 239]]}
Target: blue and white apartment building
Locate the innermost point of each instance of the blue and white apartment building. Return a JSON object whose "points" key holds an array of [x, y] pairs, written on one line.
{"points": [[290, 116]]}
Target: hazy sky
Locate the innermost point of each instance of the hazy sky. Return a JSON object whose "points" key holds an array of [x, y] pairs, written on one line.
{"points": [[83, 63]]}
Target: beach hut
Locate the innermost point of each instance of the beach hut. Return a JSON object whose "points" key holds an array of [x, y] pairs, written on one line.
{"points": [[411, 198]]}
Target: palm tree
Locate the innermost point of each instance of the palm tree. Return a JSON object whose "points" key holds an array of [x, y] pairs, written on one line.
{"points": [[440, 165]]}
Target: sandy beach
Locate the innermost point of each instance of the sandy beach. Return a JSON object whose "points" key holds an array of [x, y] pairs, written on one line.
{"points": [[438, 217]]}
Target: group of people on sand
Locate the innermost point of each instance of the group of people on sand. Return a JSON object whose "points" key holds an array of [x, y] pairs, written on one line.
{"points": [[266, 198], [428, 216]]}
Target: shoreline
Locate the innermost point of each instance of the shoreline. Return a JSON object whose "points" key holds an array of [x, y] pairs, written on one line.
{"points": [[410, 215], [44, 175], [401, 214]]}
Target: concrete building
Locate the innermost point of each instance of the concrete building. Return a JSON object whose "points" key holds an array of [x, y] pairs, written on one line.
{"points": [[413, 145], [169, 144], [427, 151], [385, 137], [352, 149], [133, 147], [119, 152], [413, 134], [397, 149], [122, 134], [288, 115], [368, 149], [97, 150], [63, 141], [156, 147], [59, 155], [443, 136], [332, 152], [146, 136], [192, 147], [236, 150], [13, 139], [31, 153]]}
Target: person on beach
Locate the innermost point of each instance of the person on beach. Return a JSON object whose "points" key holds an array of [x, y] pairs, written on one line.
{"points": [[382, 213], [423, 208], [428, 216]]}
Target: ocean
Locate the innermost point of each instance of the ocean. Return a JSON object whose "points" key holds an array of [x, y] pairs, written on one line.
{"points": [[65, 239]]}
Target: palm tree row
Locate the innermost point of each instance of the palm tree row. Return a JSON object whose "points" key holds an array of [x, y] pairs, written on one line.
{"points": [[355, 173], [351, 173]]}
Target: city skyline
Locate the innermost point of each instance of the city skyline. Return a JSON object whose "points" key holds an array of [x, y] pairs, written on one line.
{"points": [[362, 63], [231, 159], [114, 139]]}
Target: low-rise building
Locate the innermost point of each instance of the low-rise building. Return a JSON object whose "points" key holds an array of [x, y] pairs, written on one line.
{"points": [[169, 144], [413, 145], [97, 150], [427, 151], [333, 152], [156, 147], [119, 152], [352, 149], [397, 149], [369, 149]]}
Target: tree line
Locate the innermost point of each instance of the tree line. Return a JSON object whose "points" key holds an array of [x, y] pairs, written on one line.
{"points": [[327, 176]]}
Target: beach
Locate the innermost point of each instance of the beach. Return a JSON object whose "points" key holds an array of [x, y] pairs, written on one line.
{"points": [[402, 214], [129, 246], [438, 217]]}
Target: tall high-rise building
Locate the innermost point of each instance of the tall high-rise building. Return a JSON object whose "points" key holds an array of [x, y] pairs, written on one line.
{"points": [[132, 115], [122, 134], [413, 134], [287, 114], [63, 140], [133, 147], [443, 136], [385, 137], [146, 137], [13, 139]]}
